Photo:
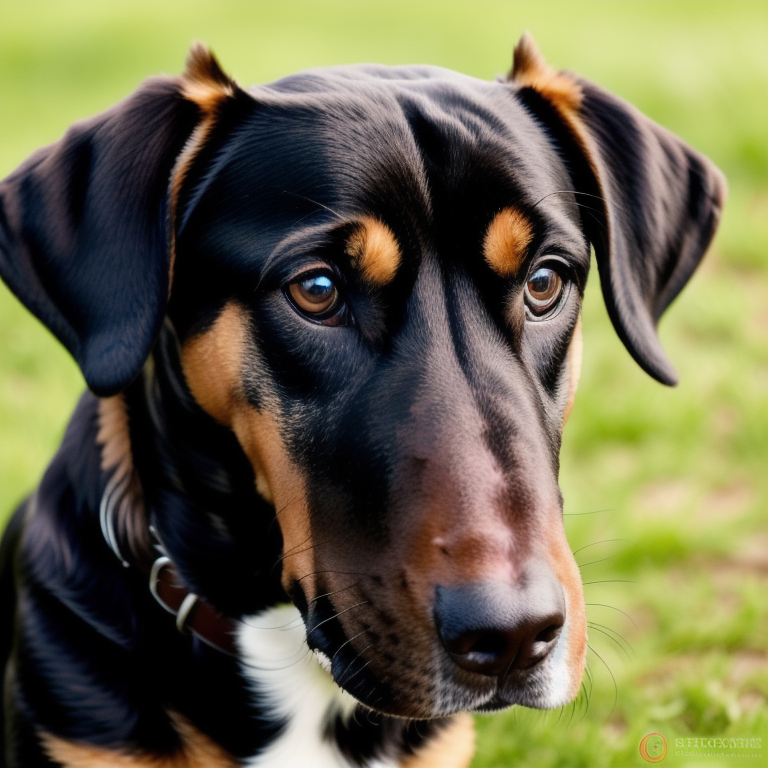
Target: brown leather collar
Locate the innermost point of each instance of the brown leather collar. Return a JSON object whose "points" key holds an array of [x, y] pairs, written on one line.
{"points": [[192, 612]]}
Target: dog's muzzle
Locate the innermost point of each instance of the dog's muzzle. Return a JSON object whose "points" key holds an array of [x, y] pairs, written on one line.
{"points": [[493, 628]]}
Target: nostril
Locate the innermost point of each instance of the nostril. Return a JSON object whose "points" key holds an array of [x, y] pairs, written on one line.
{"points": [[550, 633], [535, 646], [487, 653], [492, 627], [476, 643], [493, 643]]}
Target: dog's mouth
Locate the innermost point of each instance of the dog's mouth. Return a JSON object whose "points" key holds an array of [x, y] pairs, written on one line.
{"points": [[416, 671], [279, 650]]}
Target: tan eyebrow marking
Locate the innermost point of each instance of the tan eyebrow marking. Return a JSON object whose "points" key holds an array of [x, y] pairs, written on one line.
{"points": [[374, 251], [507, 240]]}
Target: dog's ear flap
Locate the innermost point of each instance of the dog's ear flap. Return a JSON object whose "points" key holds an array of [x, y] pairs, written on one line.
{"points": [[650, 204], [83, 223]]}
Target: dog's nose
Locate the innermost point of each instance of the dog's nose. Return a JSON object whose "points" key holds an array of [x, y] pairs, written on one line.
{"points": [[492, 627]]}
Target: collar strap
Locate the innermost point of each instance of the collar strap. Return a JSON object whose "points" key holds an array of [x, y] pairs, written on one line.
{"points": [[193, 613]]}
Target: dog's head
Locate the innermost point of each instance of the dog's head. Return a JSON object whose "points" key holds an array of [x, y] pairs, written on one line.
{"points": [[375, 275]]}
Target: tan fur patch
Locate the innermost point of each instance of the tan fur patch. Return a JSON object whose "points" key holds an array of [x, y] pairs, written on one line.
{"points": [[567, 572], [531, 70], [278, 481], [506, 241], [127, 500], [561, 89], [452, 748], [113, 436], [574, 368], [198, 751], [213, 363], [204, 83], [374, 251]]}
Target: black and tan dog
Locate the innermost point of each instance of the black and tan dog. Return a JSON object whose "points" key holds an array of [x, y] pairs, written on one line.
{"points": [[330, 328]]}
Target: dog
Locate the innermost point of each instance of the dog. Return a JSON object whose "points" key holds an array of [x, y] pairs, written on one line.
{"points": [[307, 513]]}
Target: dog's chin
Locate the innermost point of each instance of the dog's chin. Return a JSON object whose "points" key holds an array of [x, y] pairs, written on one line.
{"points": [[453, 700], [537, 689], [534, 693], [531, 697]]}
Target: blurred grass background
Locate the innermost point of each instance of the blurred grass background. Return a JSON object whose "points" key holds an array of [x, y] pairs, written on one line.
{"points": [[666, 490]]}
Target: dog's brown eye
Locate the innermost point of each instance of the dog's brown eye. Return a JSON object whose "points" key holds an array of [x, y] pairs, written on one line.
{"points": [[315, 296], [543, 291]]}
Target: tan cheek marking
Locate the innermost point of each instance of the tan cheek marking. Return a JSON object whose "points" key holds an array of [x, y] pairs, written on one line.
{"points": [[280, 482], [213, 366], [213, 363], [374, 251], [506, 241], [451, 748], [566, 570], [574, 368], [198, 751]]}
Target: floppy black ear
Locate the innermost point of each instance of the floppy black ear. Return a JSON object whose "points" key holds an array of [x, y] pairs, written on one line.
{"points": [[83, 224], [650, 203]]}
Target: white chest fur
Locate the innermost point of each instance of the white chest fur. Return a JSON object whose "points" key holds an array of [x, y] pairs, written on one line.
{"points": [[288, 679]]}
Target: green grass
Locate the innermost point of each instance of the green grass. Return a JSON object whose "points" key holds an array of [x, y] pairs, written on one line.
{"points": [[675, 479]]}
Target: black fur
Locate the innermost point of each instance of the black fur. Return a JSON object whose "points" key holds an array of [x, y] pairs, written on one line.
{"points": [[424, 367]]}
